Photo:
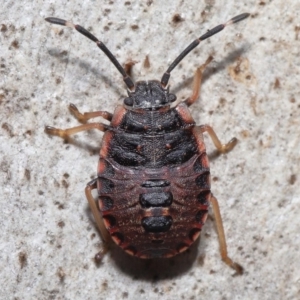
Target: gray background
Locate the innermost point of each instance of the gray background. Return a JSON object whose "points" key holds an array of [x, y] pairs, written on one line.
{"points": [[250, 90]]}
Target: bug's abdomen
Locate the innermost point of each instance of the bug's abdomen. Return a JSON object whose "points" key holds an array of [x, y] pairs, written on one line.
{"points": [[154, 212], [153, 181]]}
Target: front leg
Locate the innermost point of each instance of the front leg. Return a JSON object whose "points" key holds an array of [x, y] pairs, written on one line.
{"points": [[197, 82], [82, 118]]}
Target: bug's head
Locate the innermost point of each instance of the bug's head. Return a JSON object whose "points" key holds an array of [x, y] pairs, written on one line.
{"points": [[149, 95]]}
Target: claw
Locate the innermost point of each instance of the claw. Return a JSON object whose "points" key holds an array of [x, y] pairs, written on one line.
{"points": [[50, 130], [99, 256], [55, 131], [76, 113], [229, 146], [238, 268], [72, 108]]}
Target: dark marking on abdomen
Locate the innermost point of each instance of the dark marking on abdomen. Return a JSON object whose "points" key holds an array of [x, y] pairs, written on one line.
{"points": [[152, 183], [105, 203], [156, 199], [203, 197], [106, 185], [203, 180], [201, 216], [157, 224]]}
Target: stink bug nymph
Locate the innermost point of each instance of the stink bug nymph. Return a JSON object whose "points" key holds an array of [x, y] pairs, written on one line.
{"points": [[153, 177]]}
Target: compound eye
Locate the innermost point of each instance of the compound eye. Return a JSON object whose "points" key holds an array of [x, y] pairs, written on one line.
{"points": [[172, 97], [128, 101]]}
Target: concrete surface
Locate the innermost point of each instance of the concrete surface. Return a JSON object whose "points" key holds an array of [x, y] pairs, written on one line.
{"points": [[251, 91]]}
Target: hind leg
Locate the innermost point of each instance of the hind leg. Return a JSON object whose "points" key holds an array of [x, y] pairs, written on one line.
{"points": [[222, 240], [92, 185]]}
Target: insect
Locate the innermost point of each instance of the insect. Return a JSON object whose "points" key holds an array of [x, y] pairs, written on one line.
{"points": [[153, 173]]}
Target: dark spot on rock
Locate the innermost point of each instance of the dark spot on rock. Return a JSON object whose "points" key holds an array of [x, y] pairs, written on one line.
{"points": [[61, 274], [293, 179], [3, 28], [134, 27], [65, 183], [147, 62], [22, 259], [277, 83], [15, 44], [177, 19], [27, 174], [61, 224], [8, 128]]}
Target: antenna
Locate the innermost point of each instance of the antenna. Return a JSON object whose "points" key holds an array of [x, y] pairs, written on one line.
{"points": [[165, 78], [128, 81]]}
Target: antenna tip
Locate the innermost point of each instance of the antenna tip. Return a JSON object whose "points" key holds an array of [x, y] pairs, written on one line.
{"points": [[238, 18], [56, 21]]}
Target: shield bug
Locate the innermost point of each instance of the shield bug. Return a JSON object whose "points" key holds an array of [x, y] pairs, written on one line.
{"points": [[153, 176]]}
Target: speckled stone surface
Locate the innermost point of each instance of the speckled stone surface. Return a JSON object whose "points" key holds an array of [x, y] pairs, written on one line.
{"points": [[251, 90]]}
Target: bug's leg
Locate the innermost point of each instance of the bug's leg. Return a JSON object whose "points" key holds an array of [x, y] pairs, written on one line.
{"points": [[92, 185], [223, 148], [82, 118], [197, 82], [65, 133], [222, 240]]}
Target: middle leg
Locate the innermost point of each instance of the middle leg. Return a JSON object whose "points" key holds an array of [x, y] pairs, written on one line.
{"points": [[65, 133], [223, 148]]}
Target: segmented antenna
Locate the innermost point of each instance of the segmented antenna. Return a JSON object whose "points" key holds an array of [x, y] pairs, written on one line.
{"points": [[165, 78], [128, 81]]}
